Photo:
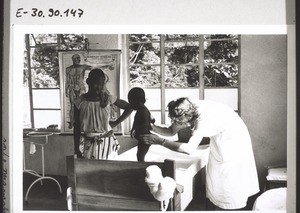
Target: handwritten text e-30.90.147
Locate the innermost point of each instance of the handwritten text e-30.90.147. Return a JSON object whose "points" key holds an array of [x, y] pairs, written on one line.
{"points": [[35, 12]]}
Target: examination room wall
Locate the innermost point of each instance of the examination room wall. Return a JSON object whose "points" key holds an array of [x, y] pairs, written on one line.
{"points": [[263, 103], [264, 98]]}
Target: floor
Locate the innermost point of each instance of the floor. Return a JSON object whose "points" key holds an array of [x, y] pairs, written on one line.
{"points": [[47, 196]]}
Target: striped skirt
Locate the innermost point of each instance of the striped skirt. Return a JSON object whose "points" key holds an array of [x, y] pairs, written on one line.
{"points": [[104, 148]]}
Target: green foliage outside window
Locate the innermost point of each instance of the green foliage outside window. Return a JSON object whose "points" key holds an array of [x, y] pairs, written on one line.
{"points": [[181, 60], [44, 57]]}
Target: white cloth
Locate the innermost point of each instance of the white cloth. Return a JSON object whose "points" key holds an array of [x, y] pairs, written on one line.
{"points": [[273, 199], [277, 174], [162, 188], [69, 199], [32, 148], [231, 170], [94, 118]]}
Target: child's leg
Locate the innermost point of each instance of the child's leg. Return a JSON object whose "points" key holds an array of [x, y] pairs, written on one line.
{"points": [[142, 151]]}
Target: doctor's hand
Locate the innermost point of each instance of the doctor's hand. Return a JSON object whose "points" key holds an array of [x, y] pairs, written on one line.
{"points": [[151, 139]]}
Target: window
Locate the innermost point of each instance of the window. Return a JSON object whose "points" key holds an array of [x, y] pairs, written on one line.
{"points": [[41, 77], [170, 66], [167, 66]]}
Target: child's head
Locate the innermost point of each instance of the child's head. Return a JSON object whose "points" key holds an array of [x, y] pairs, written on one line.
{"points": [[136, 97]]}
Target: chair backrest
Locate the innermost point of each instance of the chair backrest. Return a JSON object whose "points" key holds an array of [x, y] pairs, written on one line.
{"points": [[112, 185]]}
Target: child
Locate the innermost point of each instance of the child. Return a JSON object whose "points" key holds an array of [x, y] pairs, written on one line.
{"points": [[92, 117], [142, 120]]}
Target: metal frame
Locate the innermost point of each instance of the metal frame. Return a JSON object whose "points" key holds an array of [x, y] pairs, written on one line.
{"points": [[32, 172]]}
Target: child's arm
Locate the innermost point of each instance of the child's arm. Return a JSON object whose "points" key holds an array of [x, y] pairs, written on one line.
{"points": [[127, 111]]}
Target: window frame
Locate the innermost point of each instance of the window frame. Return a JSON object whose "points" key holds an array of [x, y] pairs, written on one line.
{"points": [[125, 71], [28, 48], [201, 64]]}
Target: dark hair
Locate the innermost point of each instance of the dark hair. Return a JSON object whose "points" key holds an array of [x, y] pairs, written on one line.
{"points": [[95, 74], [93, 77], [137, 94]]}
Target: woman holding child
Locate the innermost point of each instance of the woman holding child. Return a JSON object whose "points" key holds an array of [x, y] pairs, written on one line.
{"points": [[231, 171]]}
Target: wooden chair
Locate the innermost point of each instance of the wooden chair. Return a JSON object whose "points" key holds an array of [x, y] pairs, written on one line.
{"points": [[115, 185]]}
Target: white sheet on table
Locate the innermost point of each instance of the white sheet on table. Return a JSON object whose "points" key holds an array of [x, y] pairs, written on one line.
{"points": [[187, 166]]}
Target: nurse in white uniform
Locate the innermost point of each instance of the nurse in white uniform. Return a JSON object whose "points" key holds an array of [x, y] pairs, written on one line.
{"points": [[231, 170]]}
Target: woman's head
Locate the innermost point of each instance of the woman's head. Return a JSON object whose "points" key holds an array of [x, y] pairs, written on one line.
{"points": [[182, 111], [96, 81], [136, 97]]}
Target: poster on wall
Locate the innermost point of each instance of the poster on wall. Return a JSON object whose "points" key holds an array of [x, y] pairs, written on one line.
{"points": [[74, 67]]}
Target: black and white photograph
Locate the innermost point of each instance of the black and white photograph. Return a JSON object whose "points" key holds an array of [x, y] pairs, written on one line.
{"points": [[130, 106], [204, 122]]}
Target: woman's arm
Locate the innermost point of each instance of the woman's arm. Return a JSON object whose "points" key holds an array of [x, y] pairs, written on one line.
{"points": [[166, 131], [77, 132], [187, 148], [127, 111]]}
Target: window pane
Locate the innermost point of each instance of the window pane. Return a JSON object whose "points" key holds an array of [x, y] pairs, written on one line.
{"points": [[145, 76], [173, 94], [144, 53], [181, 52], [73, 42], [45, 72], [45, 56], [143, 37], [167, 119], [157, 116], [44, 118], [226, 96], [42, 38], [182, 76], [46, 98], [221, 75], [220, 36], [26, 108], [153, 99], [44, 79], [221, 51], [170, 37]]}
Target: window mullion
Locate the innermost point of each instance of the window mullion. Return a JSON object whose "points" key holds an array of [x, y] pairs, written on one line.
{"points": [[163, 77], [126, 75], [201, 67], [239, 75], [29, 79]]}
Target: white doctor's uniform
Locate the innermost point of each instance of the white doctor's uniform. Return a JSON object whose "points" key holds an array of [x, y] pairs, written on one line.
{"points": [[231, 171]]}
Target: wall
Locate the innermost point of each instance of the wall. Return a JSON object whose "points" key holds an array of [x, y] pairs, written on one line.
{"points": [[264, 97], [58, 147]]}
